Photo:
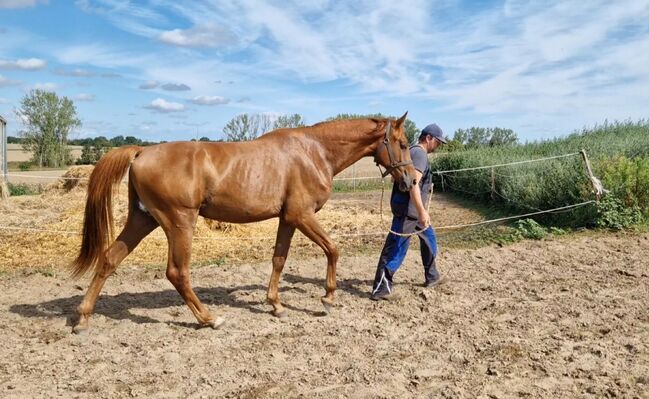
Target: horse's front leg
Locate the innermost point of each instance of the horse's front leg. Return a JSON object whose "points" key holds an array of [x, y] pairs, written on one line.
{"points": [[311, 228]]}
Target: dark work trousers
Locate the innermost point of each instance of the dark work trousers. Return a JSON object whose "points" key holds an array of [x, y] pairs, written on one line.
{"points": [[395, 249]]}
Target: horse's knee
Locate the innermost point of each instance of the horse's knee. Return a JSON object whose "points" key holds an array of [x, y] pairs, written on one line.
{"points": [[174, 275]]}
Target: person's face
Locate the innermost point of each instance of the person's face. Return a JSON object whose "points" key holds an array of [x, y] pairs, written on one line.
{"points": [[432, 144]]}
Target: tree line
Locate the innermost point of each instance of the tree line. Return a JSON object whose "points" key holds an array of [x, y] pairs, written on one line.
{"points": [[49, 119]]}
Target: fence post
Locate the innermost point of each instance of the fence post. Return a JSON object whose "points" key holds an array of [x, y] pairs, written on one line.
{"points": [[4, 188], [598, 189], [493, 184]]}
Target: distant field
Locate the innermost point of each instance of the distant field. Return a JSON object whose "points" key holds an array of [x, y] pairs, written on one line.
{"points": [[15, 153]]}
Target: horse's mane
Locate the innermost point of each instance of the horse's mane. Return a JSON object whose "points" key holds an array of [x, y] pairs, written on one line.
{"points": [[377, 120], [320, 127]]}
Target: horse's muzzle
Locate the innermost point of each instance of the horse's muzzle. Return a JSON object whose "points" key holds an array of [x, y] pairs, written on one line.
{"points": [[407, 182]]}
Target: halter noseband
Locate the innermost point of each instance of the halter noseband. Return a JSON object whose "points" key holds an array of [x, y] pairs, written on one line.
{"points": [[386, 142]]}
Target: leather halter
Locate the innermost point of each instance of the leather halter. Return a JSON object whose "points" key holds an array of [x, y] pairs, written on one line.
{"points": [[393, 162]]}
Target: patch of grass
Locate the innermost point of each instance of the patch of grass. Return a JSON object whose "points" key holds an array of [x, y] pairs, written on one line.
{"points": [[16, 189], [347, 186], [47, 271], [220, 261], [24, 166]]}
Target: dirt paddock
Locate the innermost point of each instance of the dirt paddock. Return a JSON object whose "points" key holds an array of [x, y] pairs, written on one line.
{"points": [[561, 318]]}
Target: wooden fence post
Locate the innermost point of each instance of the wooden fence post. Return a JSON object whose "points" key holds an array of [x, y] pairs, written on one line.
{"points": [[493, 184], [598, 189]]}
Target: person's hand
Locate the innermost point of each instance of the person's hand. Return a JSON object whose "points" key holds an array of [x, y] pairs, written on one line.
{"points": [[424, 220]]}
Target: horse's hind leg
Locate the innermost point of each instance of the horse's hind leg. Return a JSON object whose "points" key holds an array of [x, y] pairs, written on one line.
{"points": [[180, 247], [138, 225], [282, 244]]}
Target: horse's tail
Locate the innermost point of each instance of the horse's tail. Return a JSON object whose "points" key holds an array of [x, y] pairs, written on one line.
{"points": [[98, 216]]}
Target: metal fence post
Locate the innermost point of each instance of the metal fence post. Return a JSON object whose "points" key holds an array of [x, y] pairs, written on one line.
{"points": [[4, 189]]}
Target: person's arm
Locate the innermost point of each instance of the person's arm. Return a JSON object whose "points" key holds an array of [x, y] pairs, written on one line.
{"points": [[415, 196]]}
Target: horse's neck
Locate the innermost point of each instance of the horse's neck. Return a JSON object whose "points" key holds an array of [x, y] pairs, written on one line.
{"points": [[344, 148]]}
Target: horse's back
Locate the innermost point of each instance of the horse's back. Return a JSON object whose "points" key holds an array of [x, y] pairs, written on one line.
{"points": [[236, 182]]}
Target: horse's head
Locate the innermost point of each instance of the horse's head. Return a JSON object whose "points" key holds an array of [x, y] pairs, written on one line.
{"points": [[393, 153]]}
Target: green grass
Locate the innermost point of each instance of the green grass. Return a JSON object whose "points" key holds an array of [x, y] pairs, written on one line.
{"points": [[619, 153], [24, 189], [347, 186]]}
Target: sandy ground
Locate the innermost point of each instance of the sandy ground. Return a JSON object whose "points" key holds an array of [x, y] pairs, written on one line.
{"points": [[562, 318]]}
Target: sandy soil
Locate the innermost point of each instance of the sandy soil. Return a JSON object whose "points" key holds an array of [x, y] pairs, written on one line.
{"points": [[561, 318]]}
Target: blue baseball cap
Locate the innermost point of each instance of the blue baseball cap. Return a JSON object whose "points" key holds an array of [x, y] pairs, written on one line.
{"points": [[435, 131]]}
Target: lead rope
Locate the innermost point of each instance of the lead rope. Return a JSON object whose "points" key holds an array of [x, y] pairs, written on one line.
{"points": [[430, 195]]}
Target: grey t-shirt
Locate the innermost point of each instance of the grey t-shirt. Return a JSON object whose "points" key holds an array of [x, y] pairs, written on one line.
{"points": [[400, 202]]}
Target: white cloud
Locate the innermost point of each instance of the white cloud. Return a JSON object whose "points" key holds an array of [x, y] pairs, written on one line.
{"points": [[210, 100], [7, 82], [27, 64], [77, 72], [199, 36], [20, 3], [151, 84], [45, 86], [4, 101], [164, 106], [100, 55], [175, 87], [84, 97]]}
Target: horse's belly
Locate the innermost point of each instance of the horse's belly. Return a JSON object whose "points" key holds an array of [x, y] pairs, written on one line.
{"points": [[239, 213]]}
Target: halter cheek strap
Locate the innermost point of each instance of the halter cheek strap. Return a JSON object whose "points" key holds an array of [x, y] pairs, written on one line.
{"points": [[393, 160]]}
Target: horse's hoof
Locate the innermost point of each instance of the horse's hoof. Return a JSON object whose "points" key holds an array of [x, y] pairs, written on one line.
{"points": [[282, 314], [216, 323], [328, 306], [80, 329]]}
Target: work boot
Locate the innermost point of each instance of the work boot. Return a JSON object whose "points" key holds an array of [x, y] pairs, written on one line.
{"points": [[382, 287], [431, 275]]}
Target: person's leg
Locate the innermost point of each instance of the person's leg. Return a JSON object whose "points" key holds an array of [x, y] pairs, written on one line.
{"points": [[428, 247], [392, 255]]}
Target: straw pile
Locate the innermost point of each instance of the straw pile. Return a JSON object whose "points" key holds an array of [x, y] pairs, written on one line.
{"points": [[74, 177]]}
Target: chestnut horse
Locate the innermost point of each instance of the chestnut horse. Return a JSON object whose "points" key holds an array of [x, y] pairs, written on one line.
{"points": [[287, 173]]}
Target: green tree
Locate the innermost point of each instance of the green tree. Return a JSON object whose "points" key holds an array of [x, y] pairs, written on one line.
{"points": [[204, 139], [288, 121], [245, 127], [48, 120], [117, 141], [411, 131], [91, 154], [475, 137], [410, 127], [501, 137], [101, 141], [130, 140]]}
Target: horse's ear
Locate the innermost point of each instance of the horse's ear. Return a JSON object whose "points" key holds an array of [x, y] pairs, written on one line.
{"points": [[401, 120]]}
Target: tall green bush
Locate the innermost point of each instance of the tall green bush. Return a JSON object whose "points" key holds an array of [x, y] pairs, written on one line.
{"points": [[619, 153]]}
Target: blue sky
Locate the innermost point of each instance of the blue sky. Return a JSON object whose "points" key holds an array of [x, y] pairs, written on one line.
{"points": [[170, 70]]}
